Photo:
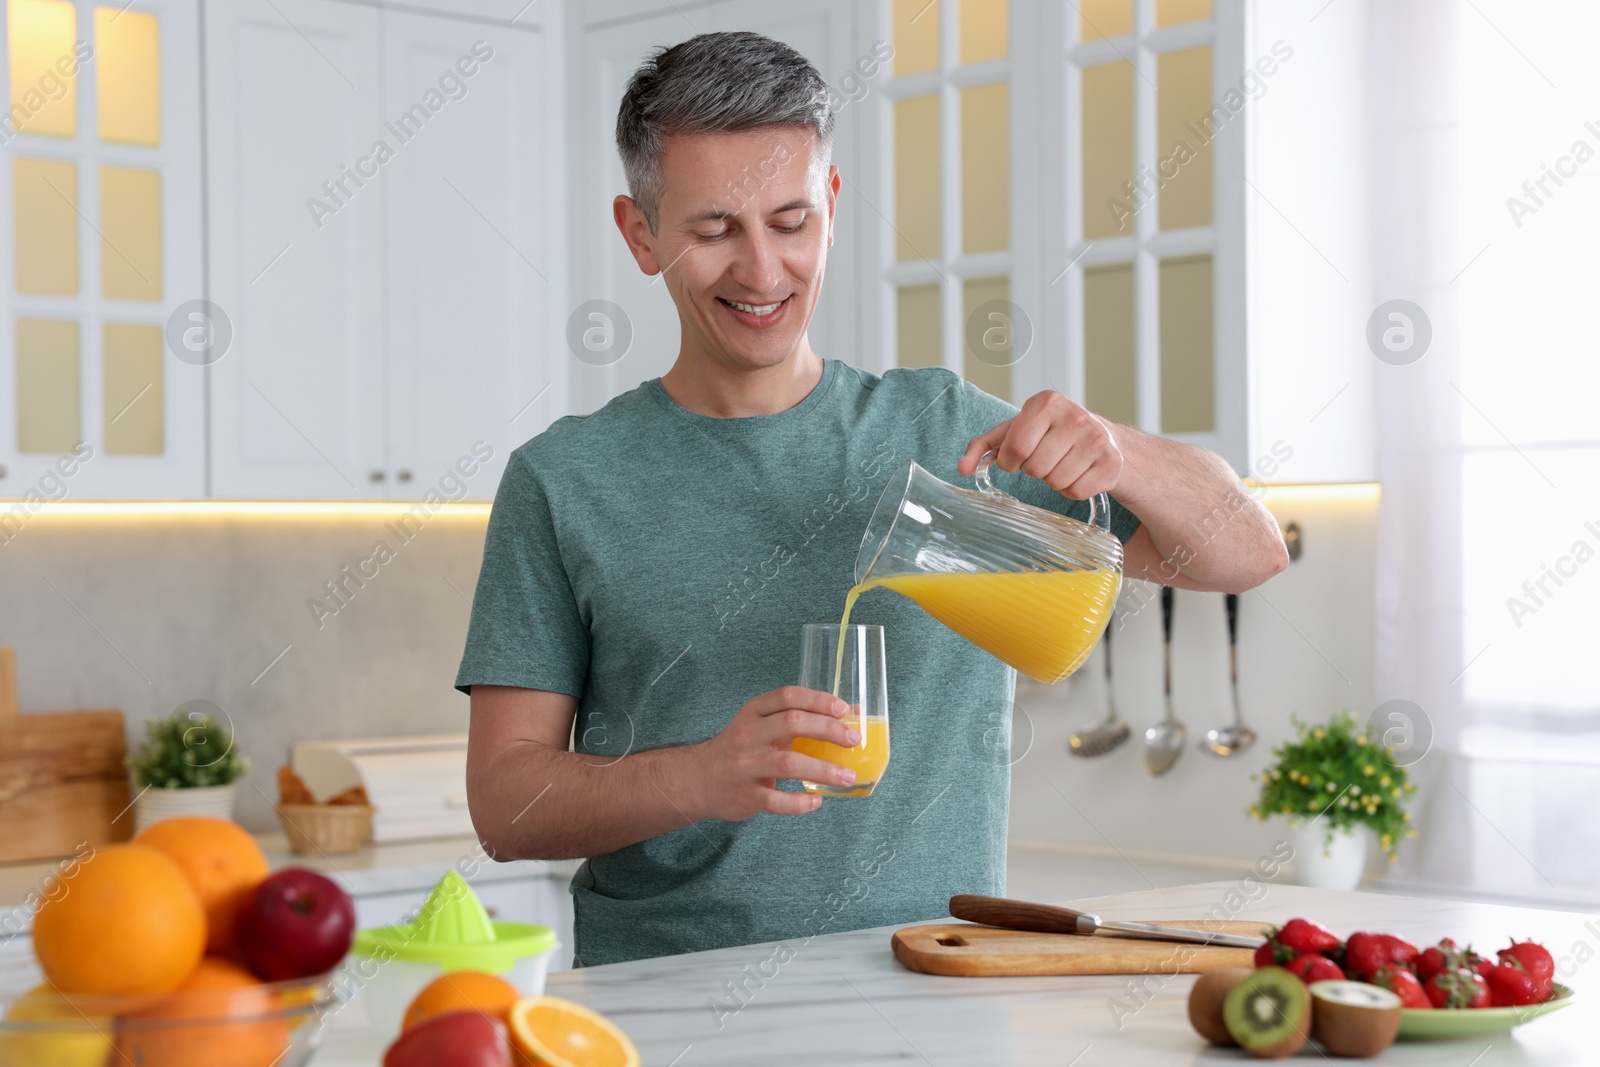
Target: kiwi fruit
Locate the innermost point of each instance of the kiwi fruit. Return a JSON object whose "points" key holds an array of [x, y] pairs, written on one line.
{"points": [[1269, 1013], [1354, 1018], [1205, 1003]]}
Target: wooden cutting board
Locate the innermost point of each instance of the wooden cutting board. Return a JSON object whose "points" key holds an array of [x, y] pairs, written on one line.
{"points": [[968, 950], [62, 779]]}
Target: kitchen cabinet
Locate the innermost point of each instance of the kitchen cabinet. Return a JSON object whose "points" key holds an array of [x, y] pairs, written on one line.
{"points": [[100, 223], [473, 346], [379, 241]]}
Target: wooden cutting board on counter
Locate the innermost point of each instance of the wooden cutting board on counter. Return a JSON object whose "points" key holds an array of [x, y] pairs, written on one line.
{"points": [[62, 779], [968, 950]]}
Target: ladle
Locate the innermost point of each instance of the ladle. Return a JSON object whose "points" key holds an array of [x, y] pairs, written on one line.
{"points": [[1234, 738], [1163, 742], [1113, 731]]}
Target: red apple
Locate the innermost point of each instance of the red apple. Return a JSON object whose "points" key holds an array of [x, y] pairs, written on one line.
{"points": [[455, 1039], [296, 924]]}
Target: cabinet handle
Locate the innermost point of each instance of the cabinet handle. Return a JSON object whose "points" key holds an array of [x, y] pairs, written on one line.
{"points": [[376, 476], [2, 470], [405, 476]]}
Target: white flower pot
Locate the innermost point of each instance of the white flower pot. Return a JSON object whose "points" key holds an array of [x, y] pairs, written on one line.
{"points": [[1337, 865], [155, 804]]}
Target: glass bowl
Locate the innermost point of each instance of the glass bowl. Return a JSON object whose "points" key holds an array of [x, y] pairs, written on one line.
{"points": [[272, 1025]]}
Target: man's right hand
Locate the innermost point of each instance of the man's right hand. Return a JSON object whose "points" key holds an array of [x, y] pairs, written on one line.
{"points": [[735, 773]]}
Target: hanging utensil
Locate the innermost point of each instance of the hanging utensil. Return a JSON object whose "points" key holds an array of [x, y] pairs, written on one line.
{"points": [[1163, 742], [1053, 919], [1113, 731], [1234, 738]]}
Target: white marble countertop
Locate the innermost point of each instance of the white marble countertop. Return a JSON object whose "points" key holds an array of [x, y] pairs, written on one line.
{"points": [[844, 998]]}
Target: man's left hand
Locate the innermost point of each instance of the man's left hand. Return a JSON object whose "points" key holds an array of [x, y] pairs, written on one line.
{"points": [[1057, 441]]}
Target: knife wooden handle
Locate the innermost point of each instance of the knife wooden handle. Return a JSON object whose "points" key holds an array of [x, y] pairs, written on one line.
{"points": [[1014, 914]]}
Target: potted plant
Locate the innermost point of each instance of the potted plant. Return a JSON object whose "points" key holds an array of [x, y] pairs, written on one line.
{"points": [[186, 765], [1337, 786]]}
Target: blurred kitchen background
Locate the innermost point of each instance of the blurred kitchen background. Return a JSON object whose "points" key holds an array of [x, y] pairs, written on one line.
{"points": [[269, 341]]}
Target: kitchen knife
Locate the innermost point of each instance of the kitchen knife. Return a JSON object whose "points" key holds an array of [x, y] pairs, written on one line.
{"points": [[1051, 919]]}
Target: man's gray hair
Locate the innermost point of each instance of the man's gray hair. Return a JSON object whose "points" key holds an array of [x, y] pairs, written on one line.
{"points": [[714, 83]]}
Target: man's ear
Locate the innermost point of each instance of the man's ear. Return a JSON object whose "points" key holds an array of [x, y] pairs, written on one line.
{"points": [[635, 230], [833, 199]]}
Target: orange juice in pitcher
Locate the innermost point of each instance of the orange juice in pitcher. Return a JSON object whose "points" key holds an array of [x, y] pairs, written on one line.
{"points": [[1031, 587]]}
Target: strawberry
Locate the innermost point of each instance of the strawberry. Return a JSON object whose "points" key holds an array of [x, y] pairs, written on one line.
{"points": [[1403, 984], [1366, 954], [1304, 936], [1460, 988], [1536, 960], [1510, 986], [1294, 939], [1441, 957], [1314, 967]]}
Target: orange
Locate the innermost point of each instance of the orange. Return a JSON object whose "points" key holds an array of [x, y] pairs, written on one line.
{"points": [[177, 1031], [553, 1032], [462, 991], [222, 862], [126, 921]]}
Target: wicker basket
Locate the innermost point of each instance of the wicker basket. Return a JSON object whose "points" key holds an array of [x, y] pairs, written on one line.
{"points": [[320, 828]]}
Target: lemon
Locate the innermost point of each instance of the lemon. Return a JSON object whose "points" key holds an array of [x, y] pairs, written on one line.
{"points": [[69, 1047]]}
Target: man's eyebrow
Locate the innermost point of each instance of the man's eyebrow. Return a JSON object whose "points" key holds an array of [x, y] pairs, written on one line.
{"points": [[717, 214]]}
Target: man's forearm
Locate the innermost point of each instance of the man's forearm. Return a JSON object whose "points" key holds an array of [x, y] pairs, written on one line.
{"points": [[533, 801], [1200, 516]]}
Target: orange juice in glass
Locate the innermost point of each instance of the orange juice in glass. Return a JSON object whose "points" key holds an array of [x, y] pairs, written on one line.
{"points": [[848, 662]]}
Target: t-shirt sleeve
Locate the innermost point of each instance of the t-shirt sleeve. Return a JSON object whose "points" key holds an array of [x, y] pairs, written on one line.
{"points": [[983, 412], [526, 629]]}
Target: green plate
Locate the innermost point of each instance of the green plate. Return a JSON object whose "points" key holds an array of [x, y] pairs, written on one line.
{"points": [[1432, 1024]]}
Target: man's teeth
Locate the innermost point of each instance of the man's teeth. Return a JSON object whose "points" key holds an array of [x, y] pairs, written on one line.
{"points": [[756, 309]]}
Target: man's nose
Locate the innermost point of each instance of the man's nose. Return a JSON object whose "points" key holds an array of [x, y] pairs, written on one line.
{"points": [[758, 268]]}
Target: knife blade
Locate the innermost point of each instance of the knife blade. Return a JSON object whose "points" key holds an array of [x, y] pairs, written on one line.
{"points": [[1053, 919]]}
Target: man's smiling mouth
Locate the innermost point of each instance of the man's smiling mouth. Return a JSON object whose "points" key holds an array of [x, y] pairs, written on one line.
{"points": [[754, 309]]}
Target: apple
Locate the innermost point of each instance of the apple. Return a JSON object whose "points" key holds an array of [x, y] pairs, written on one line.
{"points": [[455, 1039], [296, 924]]}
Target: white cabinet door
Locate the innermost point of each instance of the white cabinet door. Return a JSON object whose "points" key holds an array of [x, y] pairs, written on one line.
{"points": [[294, 120], [474, 260], [88, 348]]}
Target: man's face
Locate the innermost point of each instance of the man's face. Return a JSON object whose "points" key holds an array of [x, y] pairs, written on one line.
{"points": [[743, 230]]}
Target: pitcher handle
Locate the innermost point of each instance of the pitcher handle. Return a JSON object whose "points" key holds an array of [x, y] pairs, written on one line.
{"points": [[1099, 504]]}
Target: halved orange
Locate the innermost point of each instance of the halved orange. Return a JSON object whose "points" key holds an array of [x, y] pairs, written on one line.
{"points": [[553, 1032]]}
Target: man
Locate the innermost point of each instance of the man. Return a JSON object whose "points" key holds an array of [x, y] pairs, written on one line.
{"points": [[648, 567]]}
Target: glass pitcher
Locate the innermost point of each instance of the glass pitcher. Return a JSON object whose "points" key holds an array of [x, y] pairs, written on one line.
{"points": [[1029, 586]]}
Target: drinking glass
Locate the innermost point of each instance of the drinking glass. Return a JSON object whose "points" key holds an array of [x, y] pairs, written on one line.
{"points": [[863, 686]]}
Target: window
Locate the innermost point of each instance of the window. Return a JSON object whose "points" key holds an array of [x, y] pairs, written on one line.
{"points": [[1529, 444]]}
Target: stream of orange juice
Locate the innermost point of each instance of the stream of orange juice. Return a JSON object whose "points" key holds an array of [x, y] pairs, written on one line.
{"points": [[1043, 623]]}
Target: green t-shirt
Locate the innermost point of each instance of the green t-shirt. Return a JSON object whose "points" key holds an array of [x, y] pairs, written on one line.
{"points": [[658, 564]]}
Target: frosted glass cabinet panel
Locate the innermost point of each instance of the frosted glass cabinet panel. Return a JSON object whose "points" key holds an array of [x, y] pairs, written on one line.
{"points": [[1107, 126], [128, 66]]}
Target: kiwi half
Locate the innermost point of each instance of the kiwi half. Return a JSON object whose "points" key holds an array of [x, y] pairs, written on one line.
{"points": [[1354, 1018], [1269, 1013], [1205, 1003]]}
